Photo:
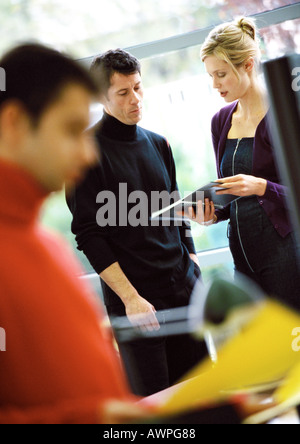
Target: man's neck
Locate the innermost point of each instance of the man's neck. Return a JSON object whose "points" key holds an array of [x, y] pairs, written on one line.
{"points": [[114, 129]]}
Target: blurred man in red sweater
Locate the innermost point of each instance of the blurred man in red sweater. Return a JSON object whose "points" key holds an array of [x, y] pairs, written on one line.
{"points": [[58, 365]]}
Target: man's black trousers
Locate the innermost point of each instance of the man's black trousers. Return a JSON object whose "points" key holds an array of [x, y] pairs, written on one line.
{"points": [[155, 364]]}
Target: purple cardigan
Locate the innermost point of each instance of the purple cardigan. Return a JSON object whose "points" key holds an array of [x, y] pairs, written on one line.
{"points": [[274, 200]]}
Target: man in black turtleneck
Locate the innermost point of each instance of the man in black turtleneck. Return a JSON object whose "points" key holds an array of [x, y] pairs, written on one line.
{"points": [[143, 267]]}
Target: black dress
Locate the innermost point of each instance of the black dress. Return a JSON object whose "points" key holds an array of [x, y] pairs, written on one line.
{"points": [[258, 250]]}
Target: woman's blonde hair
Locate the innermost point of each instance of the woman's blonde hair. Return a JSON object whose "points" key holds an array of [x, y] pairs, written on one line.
{"points": [[233, 42]]}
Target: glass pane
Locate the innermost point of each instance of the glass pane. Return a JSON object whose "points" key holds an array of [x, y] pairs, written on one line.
{"points": [[281, 39], [93, 26], [179, 104]]}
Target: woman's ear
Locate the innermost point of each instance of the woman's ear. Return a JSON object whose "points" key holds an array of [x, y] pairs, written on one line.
{"points": [[249, 64]]}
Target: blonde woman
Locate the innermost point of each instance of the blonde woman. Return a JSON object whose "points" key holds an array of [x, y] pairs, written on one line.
{"points": [[260, 232]]}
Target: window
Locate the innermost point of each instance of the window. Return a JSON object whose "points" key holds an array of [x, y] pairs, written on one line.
{"points": [[180, 105], [93, 26], [179, 100]]}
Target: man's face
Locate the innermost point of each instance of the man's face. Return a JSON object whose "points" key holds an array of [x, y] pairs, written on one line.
{"points": [[124, 99], [59, 150]]}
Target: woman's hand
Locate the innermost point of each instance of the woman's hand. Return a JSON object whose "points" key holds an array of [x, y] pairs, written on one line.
{"points": [[242, 185], [205, 213]]}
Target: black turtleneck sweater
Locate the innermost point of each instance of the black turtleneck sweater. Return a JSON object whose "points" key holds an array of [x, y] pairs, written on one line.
{"points": [[155, 259]]}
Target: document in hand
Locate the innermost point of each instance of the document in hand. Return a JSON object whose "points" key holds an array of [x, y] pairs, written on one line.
{"points": [[208, 191]]}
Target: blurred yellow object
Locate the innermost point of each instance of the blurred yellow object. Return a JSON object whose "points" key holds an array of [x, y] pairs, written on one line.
{"points": [[260, 353], [289, 391], [286, 397]]}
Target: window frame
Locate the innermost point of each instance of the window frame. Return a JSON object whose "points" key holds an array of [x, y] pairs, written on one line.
{"points": [[195, 38]]}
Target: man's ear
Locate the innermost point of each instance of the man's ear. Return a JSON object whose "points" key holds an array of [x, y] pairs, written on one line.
{"points": [[14, 122]]}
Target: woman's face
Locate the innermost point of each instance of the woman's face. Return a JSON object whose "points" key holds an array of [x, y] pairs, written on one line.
{"points": [[225, 80]]}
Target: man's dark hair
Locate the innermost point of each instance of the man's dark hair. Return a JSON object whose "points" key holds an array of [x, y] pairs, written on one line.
{"points": [[36, 75], [114, 61]]}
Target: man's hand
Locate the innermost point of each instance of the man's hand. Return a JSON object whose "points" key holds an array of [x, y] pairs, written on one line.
{"points": [[194, 258], [122, 412], [205, 214], [138, 310], [141, 314]]}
